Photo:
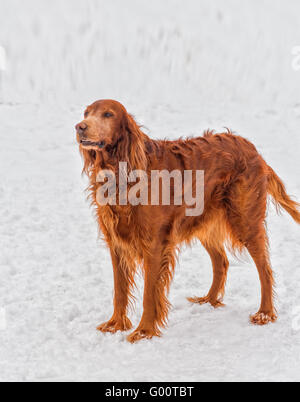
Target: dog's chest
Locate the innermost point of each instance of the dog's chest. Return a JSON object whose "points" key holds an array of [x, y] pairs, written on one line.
{"points": [[125, 228], [121, 225]]}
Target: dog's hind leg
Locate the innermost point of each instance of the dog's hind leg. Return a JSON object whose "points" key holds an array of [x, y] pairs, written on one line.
{"points": [[220, 268], [246, 216], [258, 249]]}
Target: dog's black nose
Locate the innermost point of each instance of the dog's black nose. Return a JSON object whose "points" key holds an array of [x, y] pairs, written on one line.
{"points": [[81, 128]]}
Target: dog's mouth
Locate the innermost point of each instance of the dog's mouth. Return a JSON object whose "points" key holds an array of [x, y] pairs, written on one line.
{"points": [[89, 144]]}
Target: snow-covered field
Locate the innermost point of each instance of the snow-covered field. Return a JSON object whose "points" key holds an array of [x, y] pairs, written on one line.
{"points": [[180, 67]]}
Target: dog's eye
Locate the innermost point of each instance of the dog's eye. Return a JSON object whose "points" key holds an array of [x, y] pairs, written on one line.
{"points": [[86, 115], [108, 114]]}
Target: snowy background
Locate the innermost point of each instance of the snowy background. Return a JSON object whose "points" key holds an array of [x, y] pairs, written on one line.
{"points": [[180, 67]]}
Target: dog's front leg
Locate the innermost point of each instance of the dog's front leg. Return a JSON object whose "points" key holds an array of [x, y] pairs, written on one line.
{"points": [[158, 274], [123, 282]]}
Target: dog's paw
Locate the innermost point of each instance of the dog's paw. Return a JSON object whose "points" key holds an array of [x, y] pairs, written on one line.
{"points": [[140, 334], [205, 300], [263, 318], [115, 325]]}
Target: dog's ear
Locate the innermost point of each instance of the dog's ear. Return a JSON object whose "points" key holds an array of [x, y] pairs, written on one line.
{"points": [[132, 148]]}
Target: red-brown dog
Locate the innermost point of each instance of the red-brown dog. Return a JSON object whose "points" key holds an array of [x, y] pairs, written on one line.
{"points": [[237, 184]]}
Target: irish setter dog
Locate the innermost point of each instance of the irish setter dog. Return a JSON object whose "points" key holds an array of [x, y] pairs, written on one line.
{"points": [[237, 184]]}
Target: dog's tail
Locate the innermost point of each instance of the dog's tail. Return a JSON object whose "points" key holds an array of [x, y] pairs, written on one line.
{"points": [[277, 190]]}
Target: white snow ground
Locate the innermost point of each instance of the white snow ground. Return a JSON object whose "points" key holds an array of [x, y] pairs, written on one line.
{"points": [[180, 67]]}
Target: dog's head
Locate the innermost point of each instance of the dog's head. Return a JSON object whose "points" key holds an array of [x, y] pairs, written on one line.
{"points": [[103, 122], [108, 129]]}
